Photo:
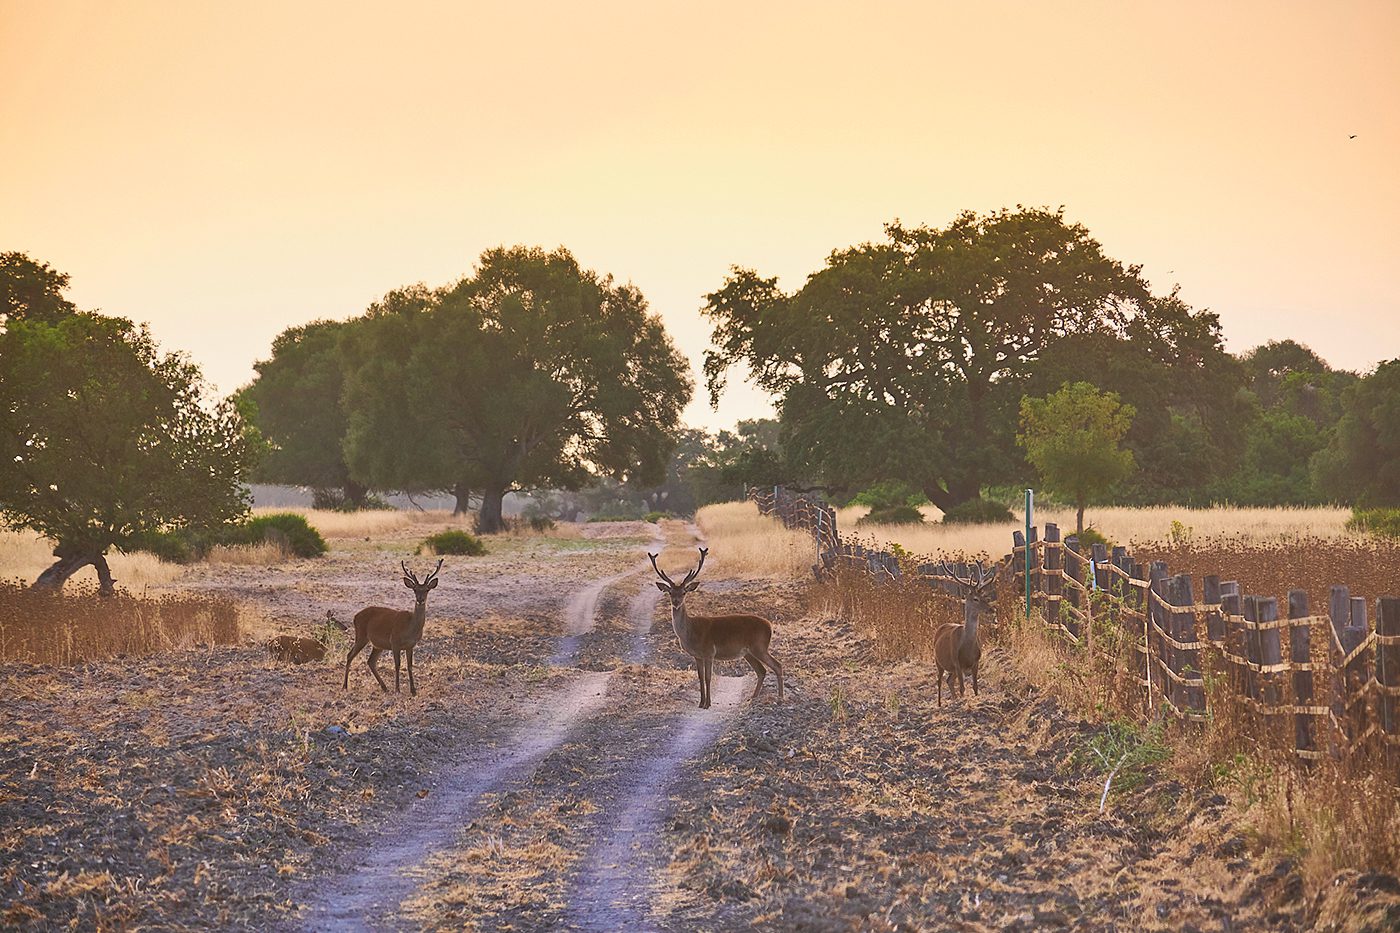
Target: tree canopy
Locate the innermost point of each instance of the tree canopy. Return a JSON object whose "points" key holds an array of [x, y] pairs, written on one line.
{"points": [[105, 439], [1361, 464], [1072, 437], [532, 372], [31, 291], [903, 359]]}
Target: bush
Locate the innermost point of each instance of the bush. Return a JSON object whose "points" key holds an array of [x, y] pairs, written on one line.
{"points": [[540, 523], [888, 494], [288, 529], [1384, 522], [1089, 537], [655, 517], [173, 546], [896, 515], [978, 512], [454, 542]]}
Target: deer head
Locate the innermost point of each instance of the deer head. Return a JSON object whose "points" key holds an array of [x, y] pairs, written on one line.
{"points": [[420, 588], [981, 588], [676, 590]]}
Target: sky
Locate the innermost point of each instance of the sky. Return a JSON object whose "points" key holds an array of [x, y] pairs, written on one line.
{"points": [[226, 171]]}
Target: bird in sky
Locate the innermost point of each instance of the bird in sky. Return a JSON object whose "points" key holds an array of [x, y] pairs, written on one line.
{"points": [[1352, 136]]}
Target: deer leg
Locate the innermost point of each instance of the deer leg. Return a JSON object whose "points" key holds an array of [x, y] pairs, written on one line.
{"points": [[974, 679], [758, 669], [709, 674], [374, 656], [412, 687], [939, 679], [962, 687], [398, 660], [359, 646], [767, 658], [700, 672]]}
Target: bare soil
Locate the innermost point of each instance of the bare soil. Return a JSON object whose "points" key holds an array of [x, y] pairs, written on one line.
{"points": [[217, 788]]}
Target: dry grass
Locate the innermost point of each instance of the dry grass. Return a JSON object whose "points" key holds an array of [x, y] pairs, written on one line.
{"points": [[372, 523], [1120, 524], [24, 555], [42, 627], [248, 555], [746, 545]]}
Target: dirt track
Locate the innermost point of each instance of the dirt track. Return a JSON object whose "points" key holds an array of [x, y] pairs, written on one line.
{"points": [[215, 788]]}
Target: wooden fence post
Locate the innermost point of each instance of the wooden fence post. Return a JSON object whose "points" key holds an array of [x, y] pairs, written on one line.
{"points": [[1193, 696], [1300, 654], [1388, 666], [1210, 596], [1074, 571], [1051, 577]]}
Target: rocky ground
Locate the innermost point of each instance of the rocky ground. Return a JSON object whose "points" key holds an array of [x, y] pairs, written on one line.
{"points": [[554, 773]]}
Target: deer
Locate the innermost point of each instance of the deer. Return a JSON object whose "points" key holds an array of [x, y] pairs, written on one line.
{"points": [[717, 638], [396, 630], [956, 648]]}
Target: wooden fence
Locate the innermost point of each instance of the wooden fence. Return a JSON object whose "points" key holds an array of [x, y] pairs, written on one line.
{"points": [[1333, 679], [1270, 665]]}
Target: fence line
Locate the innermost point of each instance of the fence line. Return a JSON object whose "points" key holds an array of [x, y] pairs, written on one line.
{"points": [[1089, 598]]}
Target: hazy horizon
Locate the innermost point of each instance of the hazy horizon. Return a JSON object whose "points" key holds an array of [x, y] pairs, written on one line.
{"points": [[227, 173]]}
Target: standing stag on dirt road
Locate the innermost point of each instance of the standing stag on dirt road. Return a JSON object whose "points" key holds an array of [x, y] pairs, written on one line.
{"points": [[956, 648], [723, 638], [393, 630]]}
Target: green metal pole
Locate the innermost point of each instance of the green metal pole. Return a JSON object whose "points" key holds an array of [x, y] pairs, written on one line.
{"points": [[1030, 506]]}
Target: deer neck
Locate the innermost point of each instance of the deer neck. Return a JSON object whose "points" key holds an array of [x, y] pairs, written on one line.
{"points": [[420, 614], [969, 632], [680, 622]]}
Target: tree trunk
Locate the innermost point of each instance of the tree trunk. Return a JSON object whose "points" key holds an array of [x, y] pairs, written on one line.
{"points": [[463, 494], [1079, 528], [489, 520], [354, 495], [956, 494], [70, 561]]}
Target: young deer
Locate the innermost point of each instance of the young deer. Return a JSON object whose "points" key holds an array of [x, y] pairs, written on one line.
{"points": [[723, 638], [393, 630], [956, 648]]}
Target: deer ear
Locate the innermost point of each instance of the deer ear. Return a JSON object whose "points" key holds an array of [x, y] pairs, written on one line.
{"points": [[432, 584], [408, 583], [691, 588], [662, 587]]}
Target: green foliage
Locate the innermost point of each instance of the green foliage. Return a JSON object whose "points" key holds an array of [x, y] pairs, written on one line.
{"points": [[531, 372], [1181, 535], [454, 542], [296, 401], [1073, 439], [540, 522], [1361, 464], [903, 359], [1385, 522], [978, 512], [1123, 750], [32, 291], [655, 517], [894, 515], [104, 439], [888, 494], [1090, 536], [289, 529]]}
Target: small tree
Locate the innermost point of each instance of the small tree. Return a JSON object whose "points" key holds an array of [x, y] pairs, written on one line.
{"points": [[1072, 438], [103, 439]]}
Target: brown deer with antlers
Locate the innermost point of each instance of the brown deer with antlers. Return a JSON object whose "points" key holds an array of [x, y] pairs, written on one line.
{"points": [[956, 648], [717, 638], [396, 630]]}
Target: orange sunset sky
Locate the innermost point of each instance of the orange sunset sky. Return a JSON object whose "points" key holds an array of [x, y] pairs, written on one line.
{"points": [[226, 171]]}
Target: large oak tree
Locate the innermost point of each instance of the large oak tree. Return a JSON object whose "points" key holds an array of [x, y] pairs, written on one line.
{"points": [[532, 372], [902, 359]]}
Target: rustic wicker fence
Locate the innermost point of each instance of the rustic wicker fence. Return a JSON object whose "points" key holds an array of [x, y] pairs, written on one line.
{"points": [[1270, 665], [1333, 679]]}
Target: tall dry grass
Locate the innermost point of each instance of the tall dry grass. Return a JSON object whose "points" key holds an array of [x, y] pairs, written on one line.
{"points": [[44, 627], [1120, 524], [371, 523], [750, 546], [24, 555]]}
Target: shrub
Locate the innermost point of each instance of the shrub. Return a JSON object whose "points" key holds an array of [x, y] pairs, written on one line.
{"points": [[978, 512], [174, 546], [288, 529], [896, 515], [1384, 522], [540, 523], [454, 542], [887, 495], [655, 517], [1089, 537]]}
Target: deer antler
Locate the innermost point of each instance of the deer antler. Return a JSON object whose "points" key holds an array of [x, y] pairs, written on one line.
{"points": [[659, 572], [430, 576], [696, 572], [409, 573], [981, 581]]}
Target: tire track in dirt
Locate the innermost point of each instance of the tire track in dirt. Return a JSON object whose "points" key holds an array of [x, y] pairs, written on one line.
{"points": [[364, 896], [580, 616], [613, 888]]}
